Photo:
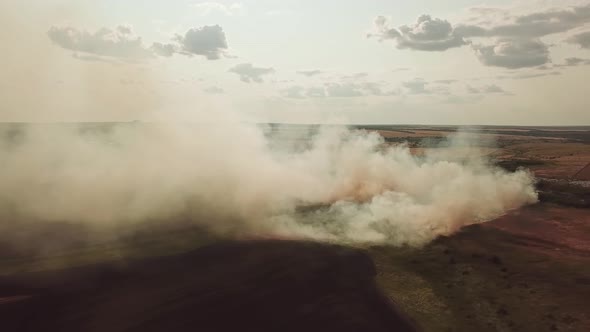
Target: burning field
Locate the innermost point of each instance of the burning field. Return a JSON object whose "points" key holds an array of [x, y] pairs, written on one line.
{"points": [[443, 238], [144, 185]]}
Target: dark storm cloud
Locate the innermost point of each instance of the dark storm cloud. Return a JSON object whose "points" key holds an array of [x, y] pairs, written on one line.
{"points": [[248, 73], [427, 34]]}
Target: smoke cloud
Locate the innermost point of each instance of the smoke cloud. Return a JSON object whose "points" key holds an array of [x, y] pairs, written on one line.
{"points": [[327, 183], [335, 184]]}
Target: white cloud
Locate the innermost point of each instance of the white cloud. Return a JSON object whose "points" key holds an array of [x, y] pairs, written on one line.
{"points": [[339, 90], [487, 89], [211, 8], [517, 36], [119, 42], [416, 86], [427, 34], [513, 53], [536, 23], [208, 41], [249, 73], [310, 73]]}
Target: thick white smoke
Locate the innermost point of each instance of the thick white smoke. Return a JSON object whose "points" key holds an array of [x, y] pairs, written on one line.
{"points": [[336, 185]]}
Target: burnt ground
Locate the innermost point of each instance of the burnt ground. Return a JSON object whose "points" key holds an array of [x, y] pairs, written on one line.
{"points": [[257, 285], [526, 271], [529, 270]]}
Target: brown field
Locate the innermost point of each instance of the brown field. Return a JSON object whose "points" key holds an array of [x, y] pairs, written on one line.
{"points": [[528, 270]]}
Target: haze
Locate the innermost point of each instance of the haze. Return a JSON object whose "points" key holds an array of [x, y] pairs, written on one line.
{"points": [[427, 62]]}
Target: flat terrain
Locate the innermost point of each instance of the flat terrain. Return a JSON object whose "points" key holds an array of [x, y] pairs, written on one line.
{"points": [[528, 270], [256, 285]]}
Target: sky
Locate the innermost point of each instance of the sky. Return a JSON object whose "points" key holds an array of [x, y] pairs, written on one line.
{"points": [[298, 61]]}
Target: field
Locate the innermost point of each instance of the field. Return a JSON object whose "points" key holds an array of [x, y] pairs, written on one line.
{"points": [[528, 270]]}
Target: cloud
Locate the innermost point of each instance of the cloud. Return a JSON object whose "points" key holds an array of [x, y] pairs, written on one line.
{"points": [[316, 92], [344, 90], [299, 92], [122, 43], [582, 39], [249, 73], [447, 82], [472, 90], [513, 54], [165, 50], [214, 90], [310, 73], [119, 42], [295, 92], [492, 89], [338, 90], [530, 75], [532, 25], [208, 41], [92, 58], [397, 70], [487, 89], [416, 86], [427, 34], [516, 45], [209, 8], [576, 62], [350, 89], [356, 76]]}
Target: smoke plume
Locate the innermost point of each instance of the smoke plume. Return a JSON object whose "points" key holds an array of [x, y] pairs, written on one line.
{"points": [[336, 184], [330, 183]]}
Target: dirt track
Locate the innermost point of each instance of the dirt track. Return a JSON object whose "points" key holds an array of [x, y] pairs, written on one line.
{"points": [[248, 285]]}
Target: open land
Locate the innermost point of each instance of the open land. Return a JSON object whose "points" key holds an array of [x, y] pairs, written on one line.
{"points": [[528, 270]]}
